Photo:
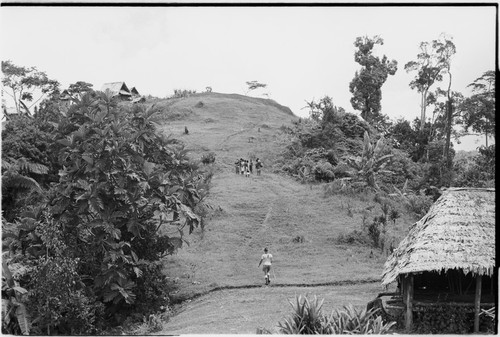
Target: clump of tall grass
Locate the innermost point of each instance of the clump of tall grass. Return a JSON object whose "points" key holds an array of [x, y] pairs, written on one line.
{"points": [[307, 318]]}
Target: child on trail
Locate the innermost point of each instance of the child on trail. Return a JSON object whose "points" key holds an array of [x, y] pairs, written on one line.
{"points": [[247, 172], [242, 166], [258, 166], [267, 259], [237, 166]]}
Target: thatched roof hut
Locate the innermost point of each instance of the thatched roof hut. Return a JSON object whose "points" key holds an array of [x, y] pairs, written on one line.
{"points": [[451, 248], [458, 232], [134, 92], [117, 89]]}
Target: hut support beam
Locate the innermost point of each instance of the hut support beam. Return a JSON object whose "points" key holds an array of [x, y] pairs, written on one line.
{"points": [[408, 284], [477, 303]]}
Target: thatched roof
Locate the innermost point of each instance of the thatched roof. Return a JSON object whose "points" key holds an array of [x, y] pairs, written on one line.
{"points": [[117, 88], [458, 232], [134, 92]]}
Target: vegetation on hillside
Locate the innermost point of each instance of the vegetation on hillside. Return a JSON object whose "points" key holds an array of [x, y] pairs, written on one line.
{"points": [[87, 190]]}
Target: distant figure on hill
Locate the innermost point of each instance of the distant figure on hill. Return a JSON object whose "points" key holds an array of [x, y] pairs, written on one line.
{"points": [[258, 166], [242, 166], [251, 166], [237, 166], [186, 131], [268, 260]]}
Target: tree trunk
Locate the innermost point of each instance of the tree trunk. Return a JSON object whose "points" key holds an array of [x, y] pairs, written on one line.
{"points": [[486, 138], [423, 104], [449, 124]]}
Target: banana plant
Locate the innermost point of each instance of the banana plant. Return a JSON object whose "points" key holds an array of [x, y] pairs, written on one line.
{"points": [[371, 161]]}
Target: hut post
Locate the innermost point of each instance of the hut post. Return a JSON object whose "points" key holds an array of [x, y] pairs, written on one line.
{"points": [[408, 284], [477, 303]]}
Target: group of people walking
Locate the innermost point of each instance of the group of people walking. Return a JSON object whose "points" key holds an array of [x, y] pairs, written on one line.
{"points": [[244, 166]]}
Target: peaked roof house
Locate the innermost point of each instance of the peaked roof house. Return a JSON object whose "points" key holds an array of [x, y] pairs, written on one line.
{"points": [[134, 92], [119, 89], [446, 253]]}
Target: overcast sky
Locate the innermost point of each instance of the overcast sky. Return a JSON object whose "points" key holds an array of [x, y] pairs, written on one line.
{"points": [[301, 53]]}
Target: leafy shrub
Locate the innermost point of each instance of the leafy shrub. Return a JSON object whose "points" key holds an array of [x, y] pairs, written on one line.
{"points": [[351, 321], [182, 93], [354, 237], [208, 158], [152, 288], [374, 232], [419, 203], [307, 318], [323, 171], [91, 251], [60, 301], [476, 171]]}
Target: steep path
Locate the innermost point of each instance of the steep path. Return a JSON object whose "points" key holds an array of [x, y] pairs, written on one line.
{"points": [[279, 213], [219, 283]]}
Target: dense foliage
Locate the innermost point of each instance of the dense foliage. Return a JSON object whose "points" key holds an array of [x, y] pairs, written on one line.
{"points": [[86, 250]]}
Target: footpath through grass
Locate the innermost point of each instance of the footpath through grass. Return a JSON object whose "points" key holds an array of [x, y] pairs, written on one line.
{"points": [[296, 222]]}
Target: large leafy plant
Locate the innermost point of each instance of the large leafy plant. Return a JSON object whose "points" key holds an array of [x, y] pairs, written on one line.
{"points": [[121, 181], [372, 161]]}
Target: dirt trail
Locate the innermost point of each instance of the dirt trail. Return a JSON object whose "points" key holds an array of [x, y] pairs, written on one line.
{"points": [[217, 275], [236, 301], [242, 311]]}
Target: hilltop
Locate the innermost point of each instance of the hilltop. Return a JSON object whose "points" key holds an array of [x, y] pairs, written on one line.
{"points": [[300, 223]]}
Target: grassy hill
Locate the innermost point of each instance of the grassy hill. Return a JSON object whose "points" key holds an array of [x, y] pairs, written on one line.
{"points": [[299, 223]]}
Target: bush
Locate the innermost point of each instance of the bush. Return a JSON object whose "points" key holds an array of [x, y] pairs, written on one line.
{"points": [[419, 203], [60, 301], [351, 321], [182, 93], [208, 158], [307, 318], [354, 237]]}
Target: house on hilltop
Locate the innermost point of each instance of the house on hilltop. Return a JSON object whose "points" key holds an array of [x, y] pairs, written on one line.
{"points": [[134, 92], [447, 260], [118, 89]]}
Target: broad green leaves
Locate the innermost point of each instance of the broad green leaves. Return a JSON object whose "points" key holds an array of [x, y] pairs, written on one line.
{"points": [[371, 161]]}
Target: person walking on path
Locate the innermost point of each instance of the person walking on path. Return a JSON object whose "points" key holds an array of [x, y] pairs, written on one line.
{"points": [[251, 166], [258, 166], [242, 166], [268, 260], [237, 166]]}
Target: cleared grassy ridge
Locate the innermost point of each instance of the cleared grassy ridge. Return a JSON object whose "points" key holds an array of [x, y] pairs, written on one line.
{"points": [[297, 222]]}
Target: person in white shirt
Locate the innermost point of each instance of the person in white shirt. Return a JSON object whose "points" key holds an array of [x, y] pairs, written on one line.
{"points": [[267, 259]]}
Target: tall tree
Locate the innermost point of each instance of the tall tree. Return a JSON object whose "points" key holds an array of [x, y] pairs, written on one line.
{"points": [[79, 88], [478, 111], [367, 82], [26, 85], [432, 63]]}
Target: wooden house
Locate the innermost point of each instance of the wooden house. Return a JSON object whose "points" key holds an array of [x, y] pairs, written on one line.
{"points": [[447, 259], [118, 89]]}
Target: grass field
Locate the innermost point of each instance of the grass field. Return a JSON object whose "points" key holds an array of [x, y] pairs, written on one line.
{"points": [[297, 222]]}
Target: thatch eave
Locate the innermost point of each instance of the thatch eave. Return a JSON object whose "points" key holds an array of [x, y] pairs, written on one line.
{"points": [[458, 232]]}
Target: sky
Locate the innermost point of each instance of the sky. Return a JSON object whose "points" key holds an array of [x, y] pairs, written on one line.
{"points": [[301, 53]]}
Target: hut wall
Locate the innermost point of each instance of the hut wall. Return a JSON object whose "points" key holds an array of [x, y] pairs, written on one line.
{"points": [[452, 286]]}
